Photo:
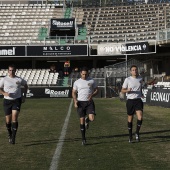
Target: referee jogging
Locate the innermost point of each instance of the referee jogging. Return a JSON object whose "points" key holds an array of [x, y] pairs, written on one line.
{"points": [[86, 89], [10, 88], [132, 86]]}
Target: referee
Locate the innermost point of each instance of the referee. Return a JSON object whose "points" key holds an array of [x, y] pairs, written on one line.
{"points": [[133, 87], [10, 88], [86, 89]]}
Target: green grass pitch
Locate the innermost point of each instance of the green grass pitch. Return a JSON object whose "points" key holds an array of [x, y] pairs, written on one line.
{"points": [[40, 126]]}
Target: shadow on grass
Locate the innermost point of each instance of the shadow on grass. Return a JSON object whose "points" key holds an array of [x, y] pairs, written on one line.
{"points": [[156, 139], [162, 138]]}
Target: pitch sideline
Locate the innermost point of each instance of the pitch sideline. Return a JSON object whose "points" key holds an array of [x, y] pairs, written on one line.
{"points": [[56, 156]]}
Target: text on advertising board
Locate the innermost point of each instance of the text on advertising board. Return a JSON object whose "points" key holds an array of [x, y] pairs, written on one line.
{"points": [[119, 49], [60, 50], [57, 93], [63, 23], [160, 96], [12, 50]]}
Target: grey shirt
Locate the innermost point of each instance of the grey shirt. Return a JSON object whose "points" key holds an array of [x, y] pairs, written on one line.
{"points": [[136, 85], [12, 86], [84, 88]]}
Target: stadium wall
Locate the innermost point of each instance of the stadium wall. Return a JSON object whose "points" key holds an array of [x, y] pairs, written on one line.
{"points": [[55, 92]]}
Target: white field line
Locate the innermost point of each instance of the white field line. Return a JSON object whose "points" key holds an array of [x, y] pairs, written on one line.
{"points": [[56, 156]]}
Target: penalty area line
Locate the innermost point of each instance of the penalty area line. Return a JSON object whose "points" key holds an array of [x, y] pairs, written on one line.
{"points": [[56, 156]]}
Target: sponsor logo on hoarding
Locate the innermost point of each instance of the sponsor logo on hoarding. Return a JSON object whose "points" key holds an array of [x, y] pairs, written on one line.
{"points": [[7, 51], [117, 49], [144, 92], [160, 97], [59, 50], [124, 48], [57, 93], [63, 24], [54, 48]]}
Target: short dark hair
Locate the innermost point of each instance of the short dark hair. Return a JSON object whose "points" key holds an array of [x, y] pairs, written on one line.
{"points": [[133, 66], [84, 69], [13, 66]]}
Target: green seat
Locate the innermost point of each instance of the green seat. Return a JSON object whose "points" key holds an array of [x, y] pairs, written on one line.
{"points": [[62, 41], [67, 13], [42, 33], [65, 81], [82, 33], [81, 37]]}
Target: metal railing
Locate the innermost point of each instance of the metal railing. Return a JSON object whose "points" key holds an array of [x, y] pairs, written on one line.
{"points": [[163, 35]]}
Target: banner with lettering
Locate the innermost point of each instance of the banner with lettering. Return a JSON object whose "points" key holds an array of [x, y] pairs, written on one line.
{"points": [[122, 48], [62, 23], [159, 97]]}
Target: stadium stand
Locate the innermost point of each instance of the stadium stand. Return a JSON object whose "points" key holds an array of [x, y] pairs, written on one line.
{"points": [[42, 77], [35, 77], [111, 24], [28, 23]]}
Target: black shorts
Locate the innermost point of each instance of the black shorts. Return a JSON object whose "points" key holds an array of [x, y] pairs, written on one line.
{"points": [[10, 105], [133, 105], [85, 107]]}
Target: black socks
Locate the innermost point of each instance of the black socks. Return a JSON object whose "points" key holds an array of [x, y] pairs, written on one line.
{"points": [[14, 128], [8, 126], [130, 128], [138, 126], [83, 130]]}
